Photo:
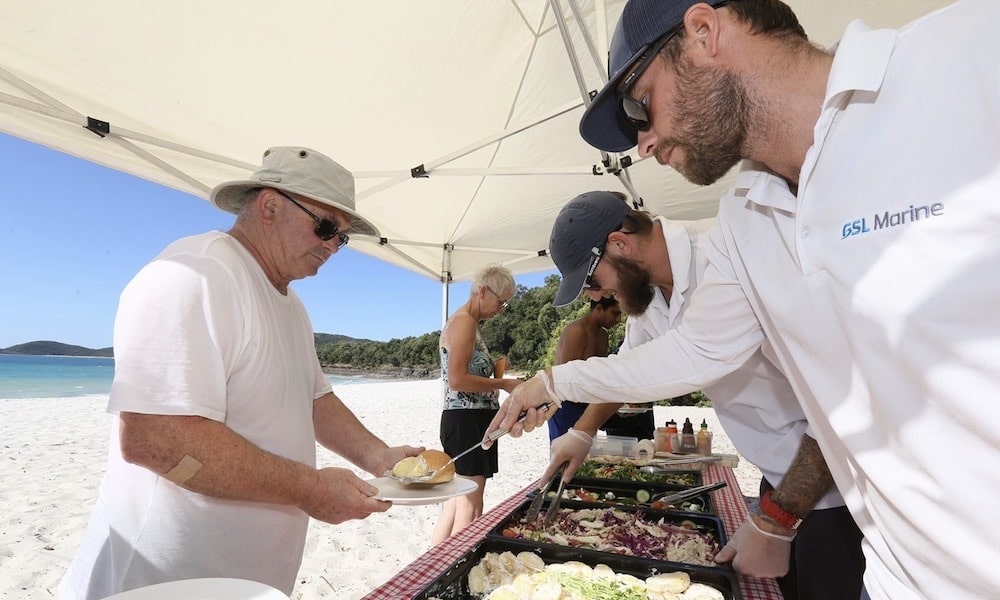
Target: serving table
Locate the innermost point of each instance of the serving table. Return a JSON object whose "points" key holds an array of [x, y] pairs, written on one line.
{"points": [[729, 504]]}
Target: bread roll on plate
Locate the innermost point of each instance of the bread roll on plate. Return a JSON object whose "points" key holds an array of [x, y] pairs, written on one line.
{"points": [[424, 464]]}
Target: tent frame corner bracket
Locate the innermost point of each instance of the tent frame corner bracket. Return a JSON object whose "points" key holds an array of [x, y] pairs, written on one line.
{"points": [[97, 126]]}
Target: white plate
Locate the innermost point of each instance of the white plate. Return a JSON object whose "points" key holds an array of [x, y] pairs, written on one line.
{"points": [[408, 495], [628, 410], [212, 588]]}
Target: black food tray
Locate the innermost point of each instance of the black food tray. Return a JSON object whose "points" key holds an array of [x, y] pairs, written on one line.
{"points": [[631, 473], [453, 584], [625, 493], [703, 523]]}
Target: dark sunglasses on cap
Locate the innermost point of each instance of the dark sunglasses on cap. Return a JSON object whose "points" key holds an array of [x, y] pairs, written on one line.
{"points": [[588, 282], [636, 114], [325, 228]]}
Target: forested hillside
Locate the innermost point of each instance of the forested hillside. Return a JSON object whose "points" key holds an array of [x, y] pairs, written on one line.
{"points": [[50, 348], [523, 333]]}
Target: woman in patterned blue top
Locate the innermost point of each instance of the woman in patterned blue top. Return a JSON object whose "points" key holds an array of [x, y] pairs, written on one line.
{"points": [[471, 393]]}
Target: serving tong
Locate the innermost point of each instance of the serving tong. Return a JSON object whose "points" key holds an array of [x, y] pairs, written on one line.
{"points": [[657, 466], [536, 504], [672, 497], [499, 433]]}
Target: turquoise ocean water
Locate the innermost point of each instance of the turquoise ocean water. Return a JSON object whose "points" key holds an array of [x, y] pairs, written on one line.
{"points": [[24, 376]]}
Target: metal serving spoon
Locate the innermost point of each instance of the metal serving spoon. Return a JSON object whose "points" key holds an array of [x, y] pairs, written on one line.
{"points": [[499, 433]]}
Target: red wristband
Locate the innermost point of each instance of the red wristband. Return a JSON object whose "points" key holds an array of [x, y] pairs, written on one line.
{"points": [[782, 516]]}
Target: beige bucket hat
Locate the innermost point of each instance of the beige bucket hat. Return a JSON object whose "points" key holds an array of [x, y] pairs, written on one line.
{"points": [[300, 171]]}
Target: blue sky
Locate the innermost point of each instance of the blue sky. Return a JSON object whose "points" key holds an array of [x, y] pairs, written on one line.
{"points": [[73, 233]]}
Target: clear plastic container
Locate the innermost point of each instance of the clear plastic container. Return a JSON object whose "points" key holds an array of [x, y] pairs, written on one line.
{"points": [[614, 445]]}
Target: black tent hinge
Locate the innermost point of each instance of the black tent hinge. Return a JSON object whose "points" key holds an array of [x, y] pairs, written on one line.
{"points": [[419, 171], [101, 128]]}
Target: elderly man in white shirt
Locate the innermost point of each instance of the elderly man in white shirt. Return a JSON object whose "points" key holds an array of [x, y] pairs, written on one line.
{"points": [[871, 270]]}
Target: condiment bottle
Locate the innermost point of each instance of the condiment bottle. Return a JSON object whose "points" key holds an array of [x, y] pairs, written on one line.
{"points": [[688, 442], [673, 439], [661, 437], [704, 439]]}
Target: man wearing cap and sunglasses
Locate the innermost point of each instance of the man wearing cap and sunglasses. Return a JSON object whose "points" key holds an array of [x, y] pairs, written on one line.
{"points": [[652, 266], [871, 272], [220, 398]]}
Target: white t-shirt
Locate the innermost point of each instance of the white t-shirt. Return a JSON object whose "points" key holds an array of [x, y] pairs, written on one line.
{"points": [[755, 404], [201, 331], [878, 288]]}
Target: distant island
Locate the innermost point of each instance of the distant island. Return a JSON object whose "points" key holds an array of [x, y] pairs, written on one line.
{"points": [[392, 369], [526, 333], [49, 348]]}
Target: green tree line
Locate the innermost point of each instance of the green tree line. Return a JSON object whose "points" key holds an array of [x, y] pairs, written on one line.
{"points": [[523, 333], [527, 333]]}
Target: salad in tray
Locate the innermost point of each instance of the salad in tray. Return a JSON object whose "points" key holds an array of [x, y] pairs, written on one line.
{"points": [[628, 470], [641, 497], [621, 532], [506, 576]]}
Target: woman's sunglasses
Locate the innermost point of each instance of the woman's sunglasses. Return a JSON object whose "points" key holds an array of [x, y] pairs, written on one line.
{"points": [[325, 228]]}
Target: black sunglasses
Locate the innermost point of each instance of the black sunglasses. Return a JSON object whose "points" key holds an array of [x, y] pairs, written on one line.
{"points": [[598, 252], [325, 228], [636, 114], [588, 281]]}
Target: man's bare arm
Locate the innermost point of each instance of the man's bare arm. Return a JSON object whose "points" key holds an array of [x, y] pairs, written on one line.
{"points": [[205, 456], [594, 417], [807, 480], [761, 546], [338, 429]]}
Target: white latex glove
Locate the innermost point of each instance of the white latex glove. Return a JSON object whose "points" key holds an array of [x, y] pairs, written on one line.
{"points": [[756, 552], [571, 449], [526, 397]]}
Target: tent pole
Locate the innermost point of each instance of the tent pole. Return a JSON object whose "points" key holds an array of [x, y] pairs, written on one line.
{"points": [[445, 283], [574, 61], [444, 302], [602, 24], [430, 166]]}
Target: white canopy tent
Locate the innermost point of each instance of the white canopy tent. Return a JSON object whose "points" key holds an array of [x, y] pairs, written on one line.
{"points": [[459, 118]]}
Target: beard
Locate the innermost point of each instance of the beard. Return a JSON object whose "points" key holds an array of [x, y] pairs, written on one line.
{"points": [[715, 108], [634, 290]]}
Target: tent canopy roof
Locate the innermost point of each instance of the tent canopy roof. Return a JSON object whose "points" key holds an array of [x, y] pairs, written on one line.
{"points": [[479, 99]]}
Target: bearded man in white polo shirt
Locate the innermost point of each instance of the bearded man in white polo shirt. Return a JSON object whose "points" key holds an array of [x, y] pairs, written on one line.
{"points": [[860, 240], [652, 266]]}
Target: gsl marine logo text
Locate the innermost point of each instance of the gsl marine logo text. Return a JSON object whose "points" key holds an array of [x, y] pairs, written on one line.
{"points": [[888, 219]]}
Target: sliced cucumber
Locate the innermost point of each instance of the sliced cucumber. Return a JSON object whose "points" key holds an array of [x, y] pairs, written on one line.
{"points": [[643, 495]]}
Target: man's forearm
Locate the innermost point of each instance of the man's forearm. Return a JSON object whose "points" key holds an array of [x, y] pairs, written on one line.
{"points": [[214, 460], [595, 416], [807, 480], [338, 429]]}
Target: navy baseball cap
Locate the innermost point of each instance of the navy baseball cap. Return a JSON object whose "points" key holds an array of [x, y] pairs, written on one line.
{"points": [[582, 225], [642, 23]]}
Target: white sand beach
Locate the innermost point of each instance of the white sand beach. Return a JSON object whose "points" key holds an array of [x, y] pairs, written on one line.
{"points": [[52, 458]]}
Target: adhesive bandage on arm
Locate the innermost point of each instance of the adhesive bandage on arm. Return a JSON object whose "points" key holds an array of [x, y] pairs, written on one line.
{"points": [[183, 470]]}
